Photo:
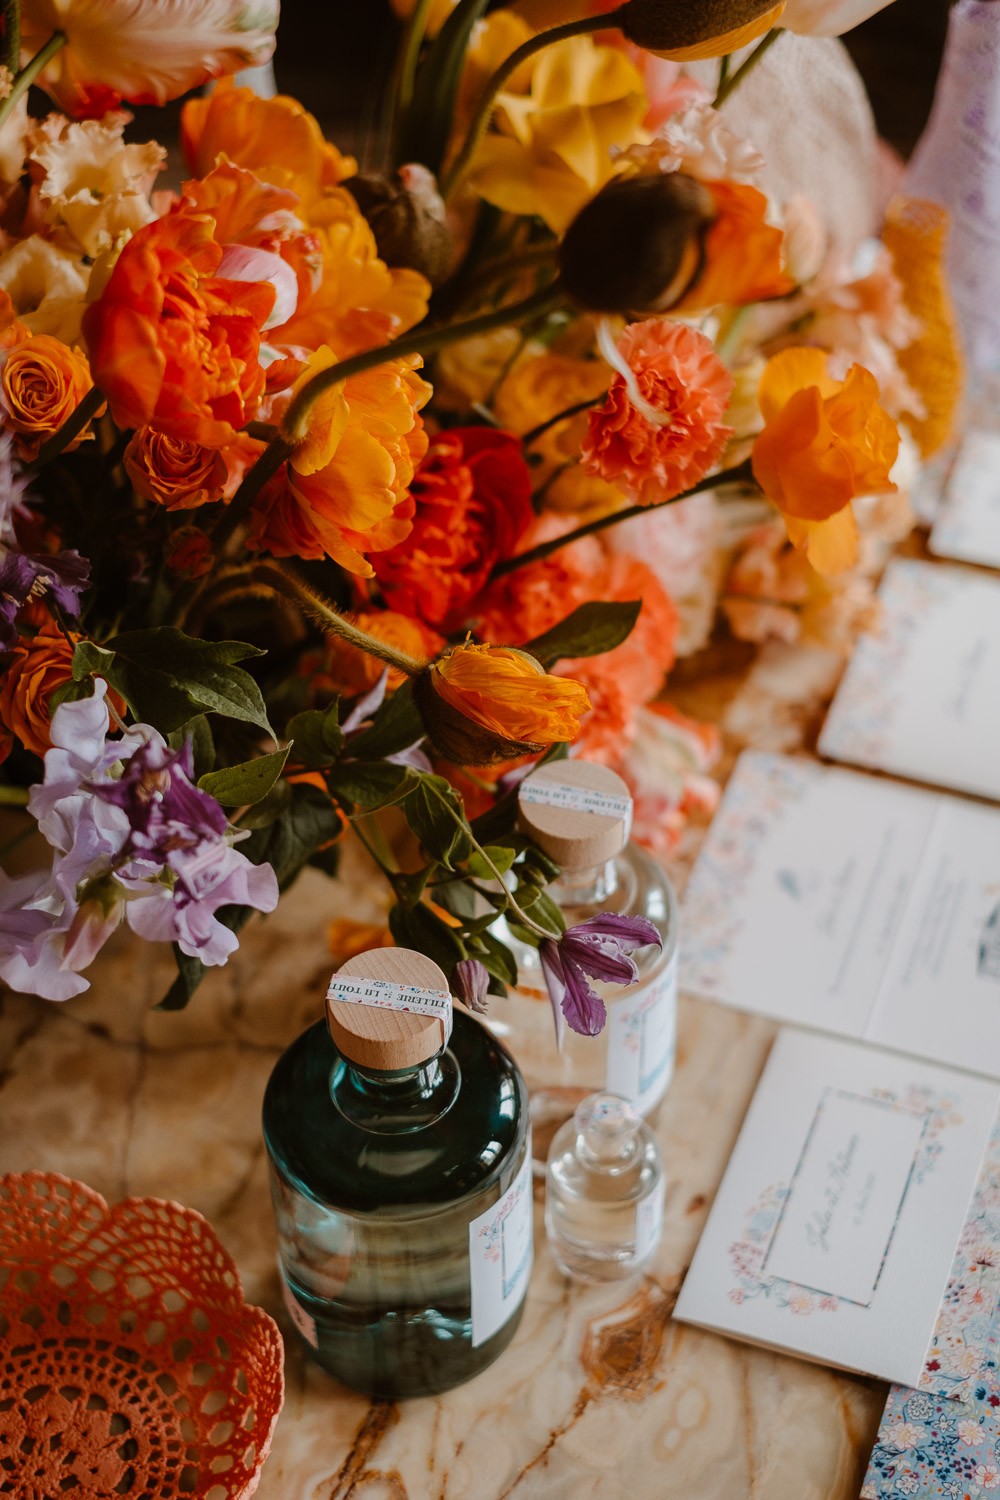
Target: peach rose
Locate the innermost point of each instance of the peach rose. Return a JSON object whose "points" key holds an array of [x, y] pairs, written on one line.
{"points": [[176, 472], [43, 382]]}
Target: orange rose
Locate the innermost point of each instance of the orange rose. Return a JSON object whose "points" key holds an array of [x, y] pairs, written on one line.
{"points": [[171, 343], [485, 703], [824, 442], [43, 382], [175, 472], [33, 671]]}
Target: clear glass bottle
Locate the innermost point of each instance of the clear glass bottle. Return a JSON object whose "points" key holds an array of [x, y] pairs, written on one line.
{"points": [[401, 1181], [585, 829], [604, 1191]]}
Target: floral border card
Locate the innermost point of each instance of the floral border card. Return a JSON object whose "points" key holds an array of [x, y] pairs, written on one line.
{"points": [[921, 697], [836, 1224], [968, 524], [851, 904]]}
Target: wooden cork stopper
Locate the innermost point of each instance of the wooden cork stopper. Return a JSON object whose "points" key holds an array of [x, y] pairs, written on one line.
{"points": [[578, 812], [387, 1039]]}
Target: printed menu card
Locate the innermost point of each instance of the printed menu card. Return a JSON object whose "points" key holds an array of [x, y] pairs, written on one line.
{"points": [[968, 524], [921, 696], [836, 1224], [853, 905]]}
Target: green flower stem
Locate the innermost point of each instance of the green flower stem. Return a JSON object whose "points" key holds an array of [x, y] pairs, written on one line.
{"points": [[10, 36], [560, 416], [733, 80], [420, 341], [13, 796], [286, 581], [270, 461], [373, 853], [740, 474], [73, 425], [521, 915], [264, 432], [413, 38], [30, 72], [522, 54]]}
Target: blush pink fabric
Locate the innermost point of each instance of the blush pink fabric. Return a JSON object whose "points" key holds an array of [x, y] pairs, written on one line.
{"points": [[129, 1362]]}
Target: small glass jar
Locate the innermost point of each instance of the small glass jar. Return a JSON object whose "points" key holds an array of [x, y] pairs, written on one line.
{"points": [[401, 1181], [604, 1192], [586, 831]]}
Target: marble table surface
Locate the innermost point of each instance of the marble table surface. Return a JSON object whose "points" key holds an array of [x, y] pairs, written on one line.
{"points": [[601, 1395]]}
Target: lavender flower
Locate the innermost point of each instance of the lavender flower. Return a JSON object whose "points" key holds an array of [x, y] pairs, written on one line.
{"points": [[471, 981], [135, 840], [600, 947]]}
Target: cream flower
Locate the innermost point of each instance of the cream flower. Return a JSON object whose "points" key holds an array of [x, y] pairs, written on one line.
{"points": [[971, 1434], [145, 51], [95, 187], [828, 17], [696, 141], [47, 285]]}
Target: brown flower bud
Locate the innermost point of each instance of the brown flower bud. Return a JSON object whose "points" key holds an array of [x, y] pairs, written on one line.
{"points": [[407, 217], [694, 26], [638, 245]]}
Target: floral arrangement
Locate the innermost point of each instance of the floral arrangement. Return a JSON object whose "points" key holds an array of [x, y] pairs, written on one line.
{"points": [[332, 496]]}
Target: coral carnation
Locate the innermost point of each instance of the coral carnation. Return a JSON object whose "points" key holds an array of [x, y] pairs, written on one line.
{"points": [[677, 372], [473, 503]]}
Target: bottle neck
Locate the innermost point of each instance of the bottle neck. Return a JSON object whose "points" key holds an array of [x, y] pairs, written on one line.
{"points": [[592, 886], [399, 1102]]}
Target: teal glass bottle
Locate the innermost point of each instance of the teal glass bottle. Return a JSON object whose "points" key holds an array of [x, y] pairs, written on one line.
{"points": [[401, 1180]]}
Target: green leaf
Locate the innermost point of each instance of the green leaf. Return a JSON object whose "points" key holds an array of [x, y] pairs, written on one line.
{"points": [[498, 959], [371, 784], [590, 630], [499, 855], [427, 127], [318, 736], [309, 822], [396, 726], [422, 930], [71, 692], [269, 808], [546, 913], [410, 888], [239, 786], [167, 677], [436, 816], [202, 744]]}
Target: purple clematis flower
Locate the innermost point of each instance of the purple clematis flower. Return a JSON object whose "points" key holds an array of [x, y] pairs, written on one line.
{"points": [[163, 806], [471, 981], [27, 576], [601, 948]]}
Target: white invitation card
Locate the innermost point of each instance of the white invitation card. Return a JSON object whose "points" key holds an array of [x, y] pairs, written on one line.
{"points": [[967, 526], [834, 1229], [921, 696], [853, 905]]}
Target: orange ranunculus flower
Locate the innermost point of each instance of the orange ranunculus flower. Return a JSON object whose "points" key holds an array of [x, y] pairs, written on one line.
{"points": [[145, 53], [12, 330], [29, 676], [175, 472], [171, 343], [485, 703], [824, 442], [347, 938], [43, 382], [742, 253], [345, 491], [275, 138], [350, 670]]}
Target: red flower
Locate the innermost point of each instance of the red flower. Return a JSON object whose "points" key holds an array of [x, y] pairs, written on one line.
{"points": [[472, 497], [174, 345]]}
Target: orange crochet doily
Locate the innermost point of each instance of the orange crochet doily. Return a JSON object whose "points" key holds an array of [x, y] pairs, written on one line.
{"points": [[129, 1362]]}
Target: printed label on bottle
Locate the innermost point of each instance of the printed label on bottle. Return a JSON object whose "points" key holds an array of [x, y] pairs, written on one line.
{"points": [[642, 1038], [384, 995], [302, 1320], [577, 799], [648, 1223], [501, 1244]]}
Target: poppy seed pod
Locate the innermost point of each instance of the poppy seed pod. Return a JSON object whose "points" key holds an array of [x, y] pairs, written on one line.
{"points": [[691, 26], [407, 217], [638, 244], [457, 737]]}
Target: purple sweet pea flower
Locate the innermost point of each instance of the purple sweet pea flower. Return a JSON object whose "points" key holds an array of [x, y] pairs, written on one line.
{"points": [[217, 875], [600, 947], [26, 576], [471, 981]]}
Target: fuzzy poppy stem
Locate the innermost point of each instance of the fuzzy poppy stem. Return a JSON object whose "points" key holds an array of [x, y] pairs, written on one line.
{"points": [[10, 34], [30, 72], [610, 21], [420, 341], [733, 80], [740, 474], [71, 428]]}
